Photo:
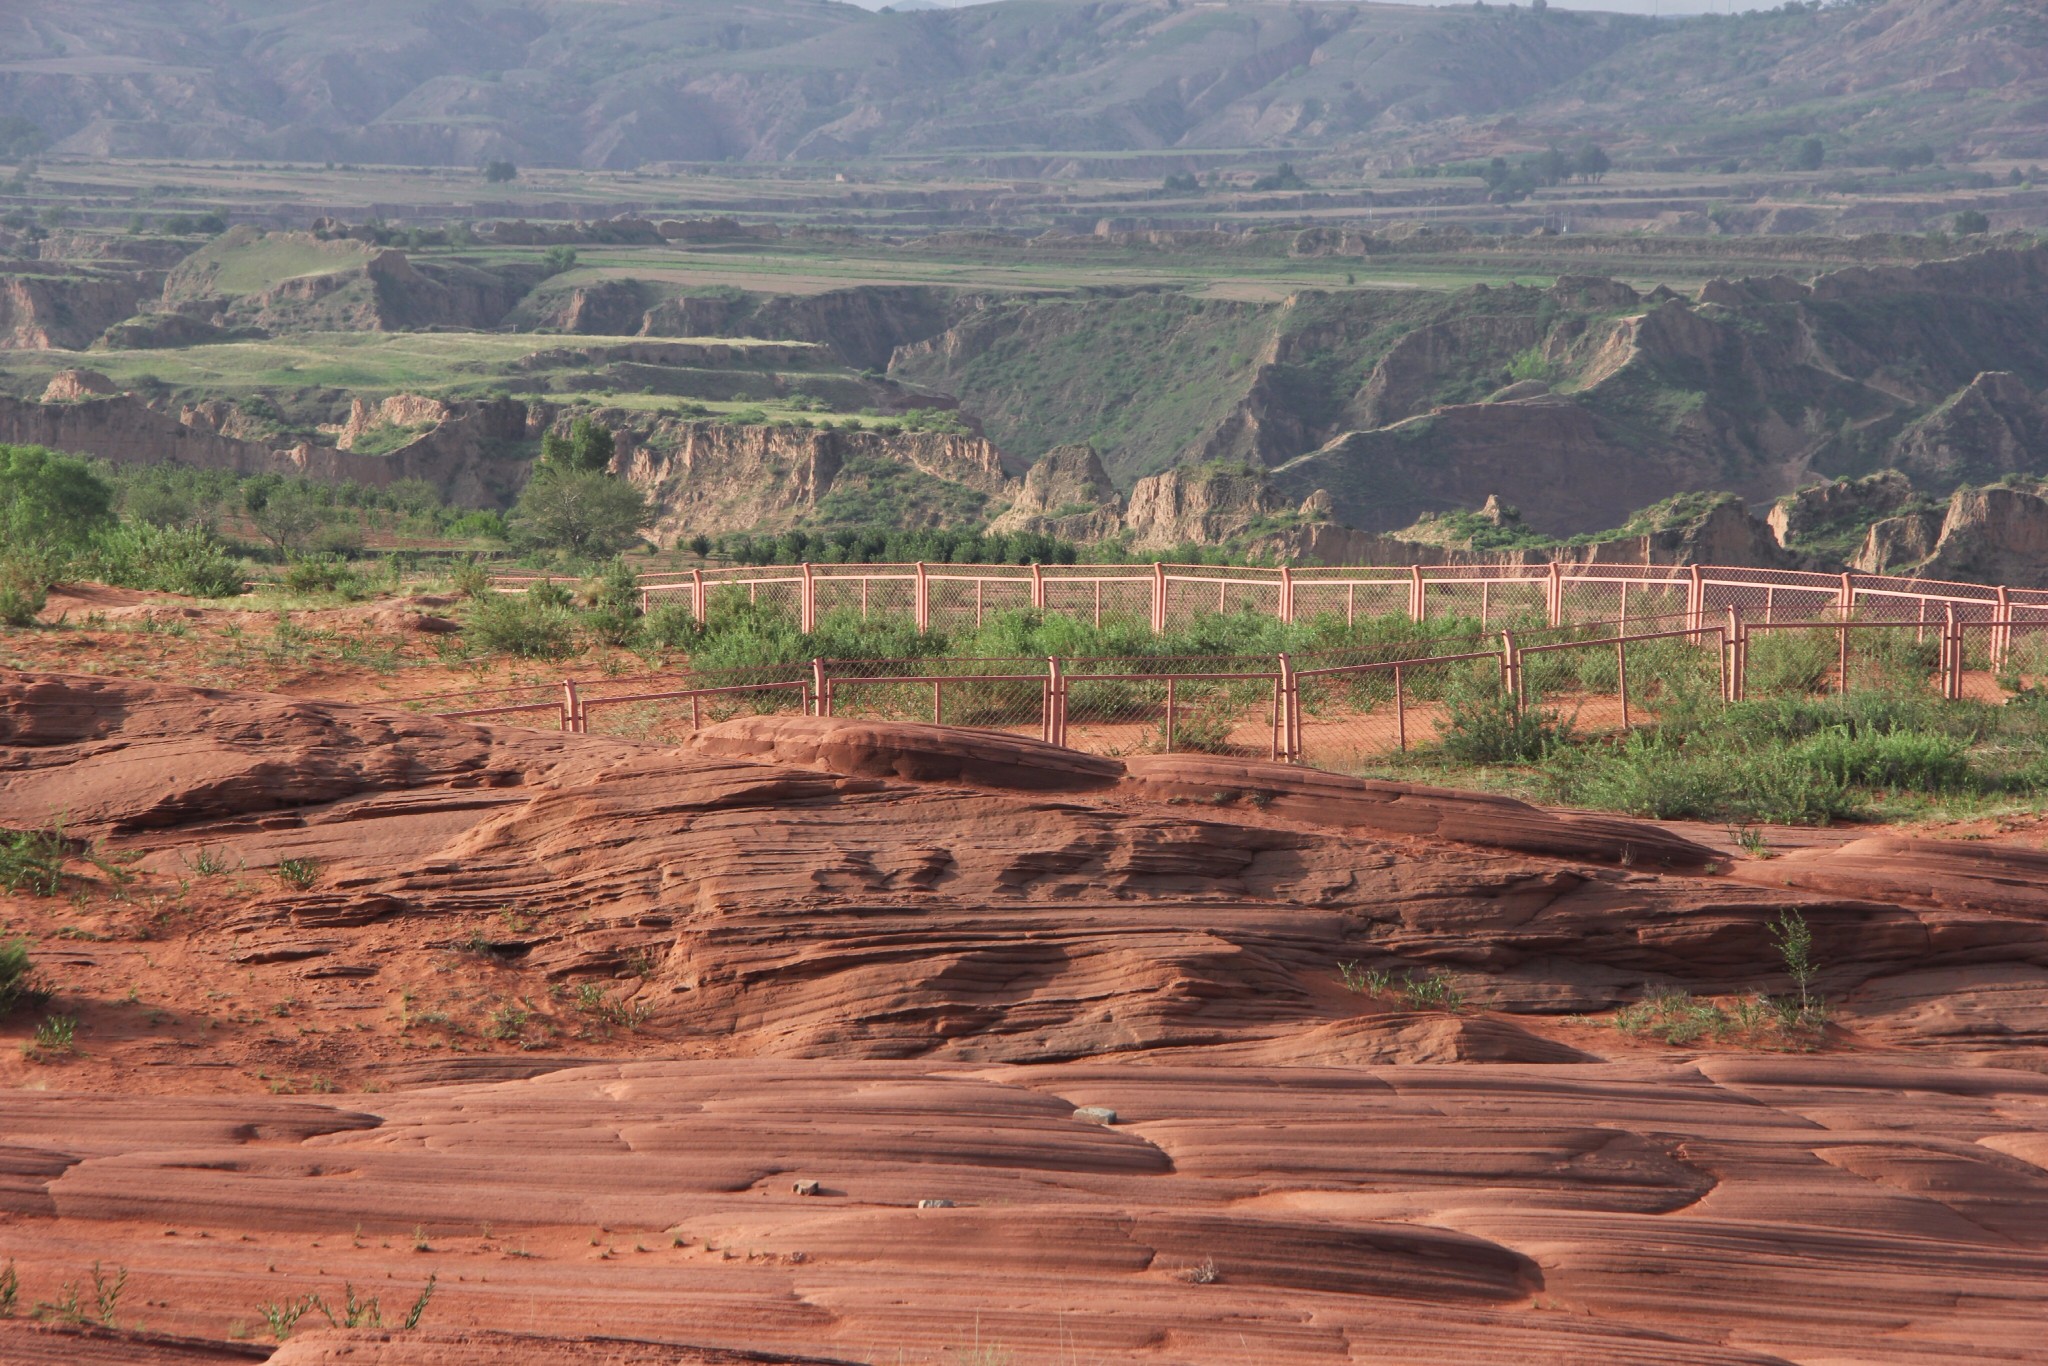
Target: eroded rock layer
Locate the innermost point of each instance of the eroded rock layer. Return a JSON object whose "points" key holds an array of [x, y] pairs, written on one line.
{"points": [[884, 1041]]}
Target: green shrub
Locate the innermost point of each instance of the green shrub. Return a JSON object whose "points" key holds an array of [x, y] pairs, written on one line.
{"points": [[469, 578], [531, 626], [19, 986], [1895, 759], [32, 861], [324, 574], [672, 625], [167, 559], [1488, 728], [24, 591]]}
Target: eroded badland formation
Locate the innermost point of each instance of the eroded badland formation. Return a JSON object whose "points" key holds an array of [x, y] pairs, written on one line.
{"points": [[348, 1032]]}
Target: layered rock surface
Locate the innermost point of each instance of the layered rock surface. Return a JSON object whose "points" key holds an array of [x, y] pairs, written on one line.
{"points": [[914, 966]]}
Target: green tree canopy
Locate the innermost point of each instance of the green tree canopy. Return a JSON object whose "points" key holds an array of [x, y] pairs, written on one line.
{"points": [[588, 446], [50, 502], [584, 512]]}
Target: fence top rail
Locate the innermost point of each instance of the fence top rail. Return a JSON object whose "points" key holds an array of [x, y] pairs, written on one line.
{"points": [[1849, 624], [837, 681], [1705, 629], [590, 702], [1268, 676], [1395, 664]]}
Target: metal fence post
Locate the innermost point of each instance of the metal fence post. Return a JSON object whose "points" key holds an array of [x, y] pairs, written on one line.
{"points": [[1417, 604], [922, 600], [1158, 598], [2001, 630], [1696, 604], [1056, 701], [572, 707], [807, 610], [1621, 675], [697, 595], [1553, 597], [1846, 601], [822, 698], [1510, 668], [1286, 595], [1038, 586], [1287, 713], [1400, 710]]}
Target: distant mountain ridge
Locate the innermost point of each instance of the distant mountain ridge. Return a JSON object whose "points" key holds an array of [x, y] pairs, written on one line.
{"points": [[606, 83]]}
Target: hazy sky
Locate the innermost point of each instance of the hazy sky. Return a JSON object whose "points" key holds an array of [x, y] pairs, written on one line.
{"points": [[1612, 6]]}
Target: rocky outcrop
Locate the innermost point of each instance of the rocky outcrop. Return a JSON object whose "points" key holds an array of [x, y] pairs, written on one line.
{"points": [[708, 477], [1820, 510], [68, 386], [1203, 504], [479, 456], [1899, 544], [610, 308], [1724, 533], [66, 312], [1995, 425], [1565, 468], [409, 411], [927, 1020], [1997, 534], [1066, 494]]}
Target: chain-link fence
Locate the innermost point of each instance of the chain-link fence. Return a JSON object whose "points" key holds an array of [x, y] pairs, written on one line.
{"points": [[1010, 695], [1814, 658], [1349, 716], [1206, 704]]}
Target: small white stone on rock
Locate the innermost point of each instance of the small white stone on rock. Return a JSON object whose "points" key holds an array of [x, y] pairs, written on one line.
{"points": [[1096, 1114], [935, 1204], [808, 1188]]}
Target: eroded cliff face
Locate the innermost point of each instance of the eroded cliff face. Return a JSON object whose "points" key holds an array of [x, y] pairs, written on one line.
{"points": [[479, 455], [1204, 504], [1987, 535], [1067, 494], [66, 313], [707, 478], [1995, 425]]}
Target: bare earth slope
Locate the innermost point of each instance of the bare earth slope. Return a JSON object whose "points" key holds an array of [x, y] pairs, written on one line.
{"points": [[586, 1012]]}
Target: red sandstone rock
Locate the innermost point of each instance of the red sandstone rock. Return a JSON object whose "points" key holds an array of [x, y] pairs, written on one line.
{"points": [[899, 962]]}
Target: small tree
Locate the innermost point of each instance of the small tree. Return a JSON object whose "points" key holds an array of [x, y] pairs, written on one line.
{"points": [[498, 172], [1809, 154], [556, 260], [1591, 163], [584, 513], [1553, 167], [49, 502], [1971, 221], [588, 446], [288, 516]]}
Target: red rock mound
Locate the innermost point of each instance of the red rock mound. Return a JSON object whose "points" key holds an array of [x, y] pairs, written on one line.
{"points": [[856, 1041]]}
